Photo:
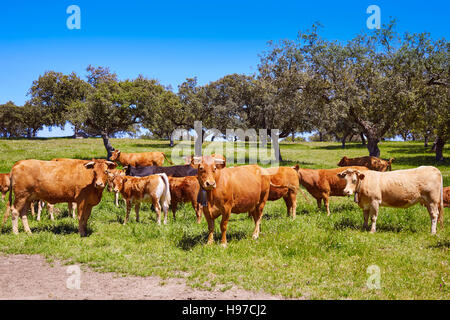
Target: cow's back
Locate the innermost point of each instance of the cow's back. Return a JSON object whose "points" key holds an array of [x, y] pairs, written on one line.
{"points": [[403, 188], [51, 181]]}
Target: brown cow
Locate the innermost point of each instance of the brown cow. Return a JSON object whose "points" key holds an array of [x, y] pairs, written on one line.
{"points": [[185, 189], [286, 177], [373, 163], [323, 183], [397, 189], [231, 190], [446, 197], [154, 188], [4, 184], [139, 159], [56, 182]]}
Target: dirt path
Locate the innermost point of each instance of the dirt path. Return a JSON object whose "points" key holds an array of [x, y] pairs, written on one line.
{"points": [[31, 277]]}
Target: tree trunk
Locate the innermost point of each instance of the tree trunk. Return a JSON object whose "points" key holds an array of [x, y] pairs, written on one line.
{"points": [[28, 133], [372, 146], [439, 149], [344, 138], [425, 144], [171, 144], [363, 139], [320, 136], [107, 144]]}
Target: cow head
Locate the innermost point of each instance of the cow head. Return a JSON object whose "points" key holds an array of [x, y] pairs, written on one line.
{"points": [[101, 169], [343, 162], [115, 155], [118, 182], [390, 163], [111, 176], [352, 178], [208, 170]]}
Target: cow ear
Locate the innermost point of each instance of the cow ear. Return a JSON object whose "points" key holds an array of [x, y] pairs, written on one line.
{"points": [[195, 161], [111, 165], [296, 167], [89, 165], [220, 163], [342, 174], [360, 175]]}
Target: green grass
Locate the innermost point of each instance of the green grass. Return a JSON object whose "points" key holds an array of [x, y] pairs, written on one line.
{"points": [[314, 256]]}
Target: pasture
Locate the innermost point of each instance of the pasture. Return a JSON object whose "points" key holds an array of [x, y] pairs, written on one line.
{"points": [[312, 257]]}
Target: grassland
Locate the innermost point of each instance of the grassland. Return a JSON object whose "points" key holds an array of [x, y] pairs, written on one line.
{"points": [[314, 256]]}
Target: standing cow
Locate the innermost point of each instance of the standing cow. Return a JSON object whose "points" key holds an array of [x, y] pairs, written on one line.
{"points": [[154, 189], [139, 159], [185, 189], [323, 183], [370, 162], [231, 190], [56, 182], [287, 178], [398, 189]]}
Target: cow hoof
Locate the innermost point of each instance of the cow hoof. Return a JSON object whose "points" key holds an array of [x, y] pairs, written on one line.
{"points": [[255, 237], [224, 245]]}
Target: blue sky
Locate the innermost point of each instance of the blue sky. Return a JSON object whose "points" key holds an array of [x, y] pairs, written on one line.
{"points": [[174, 40]]}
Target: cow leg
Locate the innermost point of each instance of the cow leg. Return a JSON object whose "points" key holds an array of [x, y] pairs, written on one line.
{"points": [[174, 206], [128, 212], [19, 206], [373, 215], [257, 215], [326, 200], [210, 222], [51, 210], [223, 227], [319, 203], [157, 206], [23, 215], [137, 206], [366, 219], [72, 208], [433, 210], [83, 214], [116, 198], [33, 213], [197, 209], [291, 203]]}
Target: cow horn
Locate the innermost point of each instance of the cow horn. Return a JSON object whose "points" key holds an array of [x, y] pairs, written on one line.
{"points": [[219, 161], [89, 164]]}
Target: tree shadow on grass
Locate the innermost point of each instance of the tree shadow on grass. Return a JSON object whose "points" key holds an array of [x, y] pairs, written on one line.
{"points": [[419, 161], [347, 223], [189, 241], [339, 147], [441, 244], [151, 145], [61, 228]]}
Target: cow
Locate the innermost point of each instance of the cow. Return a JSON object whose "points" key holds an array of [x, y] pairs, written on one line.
{"points": [[323, 183], [173, 171], [288, 178], [231, 190], [447, 197], [4, 184], [56, 182], [139, 159], [398, 189], [154, 189], [185, 189], [111, 175], [373, 163]]}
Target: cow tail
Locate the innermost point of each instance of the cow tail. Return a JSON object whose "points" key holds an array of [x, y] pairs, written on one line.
{"points": [[166, 198], [8, 205], [167, 158], [441, 205]]}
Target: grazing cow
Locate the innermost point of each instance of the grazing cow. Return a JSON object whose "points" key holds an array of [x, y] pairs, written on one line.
{"points": [[373, 163], [323, 183], [231, 190], [447, 197], [111, 175], [398, 189], [154, 189], [173, 171], [139, 159], [288, 178], [4, 184], [185, 189], [56, 182]]}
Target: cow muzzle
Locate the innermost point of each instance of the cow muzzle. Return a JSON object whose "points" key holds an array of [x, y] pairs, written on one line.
{"points": [[99, 185], [209, 185]]}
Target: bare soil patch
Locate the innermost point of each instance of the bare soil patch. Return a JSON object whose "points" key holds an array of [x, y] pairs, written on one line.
{"points": [[31, 277]]}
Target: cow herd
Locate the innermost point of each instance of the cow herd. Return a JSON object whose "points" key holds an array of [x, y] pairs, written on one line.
{"points": [[214, 189]]}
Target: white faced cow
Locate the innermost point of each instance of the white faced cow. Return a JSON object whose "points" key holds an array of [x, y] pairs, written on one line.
{"points": [[398, 189]]}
